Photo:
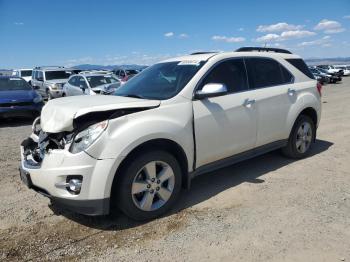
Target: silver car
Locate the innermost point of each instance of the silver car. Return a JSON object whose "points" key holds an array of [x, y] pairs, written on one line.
{"points": [[91, 83]]}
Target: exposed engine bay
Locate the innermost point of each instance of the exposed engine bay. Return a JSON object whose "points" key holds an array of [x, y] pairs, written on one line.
{"points": [[39, 143]]}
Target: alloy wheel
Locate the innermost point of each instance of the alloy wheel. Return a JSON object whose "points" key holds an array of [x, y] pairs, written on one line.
{"points": [[304, 137], [153, 185]]}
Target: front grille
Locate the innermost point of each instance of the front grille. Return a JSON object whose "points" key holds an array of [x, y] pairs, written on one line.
{"points": [[16, 104]]}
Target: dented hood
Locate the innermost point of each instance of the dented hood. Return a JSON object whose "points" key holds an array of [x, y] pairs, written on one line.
{"points": [[58, 114]]}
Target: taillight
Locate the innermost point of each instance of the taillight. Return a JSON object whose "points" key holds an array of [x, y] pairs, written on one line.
{"points": [[319, 88]]}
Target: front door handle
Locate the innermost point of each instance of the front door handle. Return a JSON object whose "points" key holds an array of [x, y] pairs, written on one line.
{"points": [[291, 91], [249, 102]]}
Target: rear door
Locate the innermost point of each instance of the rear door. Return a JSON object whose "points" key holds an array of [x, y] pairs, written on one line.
{"points": [[71, 87], [74, 86], [40, 82], [274, 93], [225, 125], [34, 76]]}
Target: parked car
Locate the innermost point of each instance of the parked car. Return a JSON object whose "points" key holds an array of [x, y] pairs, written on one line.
{"points": [[177, 119], [125, 74], [26, 74], [319, 76], [331, 69], [346, 69], [87, 83], [334, 77], [49, 81], [18, 98]]}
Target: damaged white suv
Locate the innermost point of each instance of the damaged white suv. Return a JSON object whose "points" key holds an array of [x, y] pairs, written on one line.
{"points": [[177, 119]]}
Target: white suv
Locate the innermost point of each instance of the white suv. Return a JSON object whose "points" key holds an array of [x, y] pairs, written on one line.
{"points": [[175, 120], [49, 80], [26, 74]]}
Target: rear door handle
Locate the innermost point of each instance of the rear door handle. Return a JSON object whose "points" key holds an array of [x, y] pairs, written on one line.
{"points": [[291, 91], [249, 102]]}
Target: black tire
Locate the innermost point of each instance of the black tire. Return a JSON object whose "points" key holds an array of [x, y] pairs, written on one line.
{"points": [[291, 149], [48, 95], [123, 190]]}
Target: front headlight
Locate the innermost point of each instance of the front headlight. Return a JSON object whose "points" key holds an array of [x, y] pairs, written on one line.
{"points": [[87, 137], [54, 87], [38, 99]]}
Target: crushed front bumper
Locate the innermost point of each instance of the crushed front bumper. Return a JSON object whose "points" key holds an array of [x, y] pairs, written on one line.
{"points": [[47, 176]]}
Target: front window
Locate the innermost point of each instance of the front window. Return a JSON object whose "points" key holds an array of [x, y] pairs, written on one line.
{"points": [[25, 73], [101, 80], [131, 72], [51, 75], [11, 84], [160, 81]]}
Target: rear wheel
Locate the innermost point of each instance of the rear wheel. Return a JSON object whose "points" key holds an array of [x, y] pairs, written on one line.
{"points": [[301, 138], [149, 185]]}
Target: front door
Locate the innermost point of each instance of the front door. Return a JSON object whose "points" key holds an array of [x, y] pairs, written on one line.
{"points": [[225, 125]]}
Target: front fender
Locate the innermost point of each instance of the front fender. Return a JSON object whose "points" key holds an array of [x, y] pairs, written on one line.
{"points": [[124, 134]]}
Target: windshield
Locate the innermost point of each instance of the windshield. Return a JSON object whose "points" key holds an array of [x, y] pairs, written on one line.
{"points": [[9, 84], [26, 73], [51, 75], [160, 81], [101, 80], [322, 70]]}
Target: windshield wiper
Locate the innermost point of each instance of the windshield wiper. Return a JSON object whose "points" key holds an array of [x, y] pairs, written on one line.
{"points": [[133, 95]]}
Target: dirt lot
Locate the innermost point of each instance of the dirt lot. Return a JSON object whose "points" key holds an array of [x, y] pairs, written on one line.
{"points": [[267, 208]]}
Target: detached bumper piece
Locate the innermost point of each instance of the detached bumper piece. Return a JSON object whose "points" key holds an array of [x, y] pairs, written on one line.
{"points": [[94, 207]]}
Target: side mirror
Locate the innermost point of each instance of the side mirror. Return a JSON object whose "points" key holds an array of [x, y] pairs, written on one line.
{"points": [[211, 90], [36, 87], [40, 79]]}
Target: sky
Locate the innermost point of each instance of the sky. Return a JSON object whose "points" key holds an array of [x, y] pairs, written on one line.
{"points": [[103, 32]]}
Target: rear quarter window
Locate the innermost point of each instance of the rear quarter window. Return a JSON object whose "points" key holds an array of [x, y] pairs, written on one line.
{"points": [[300, 64]]}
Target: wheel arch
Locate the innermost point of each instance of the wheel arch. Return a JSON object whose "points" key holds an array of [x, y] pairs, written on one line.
{"points": [[167, 145], [310, 112]]}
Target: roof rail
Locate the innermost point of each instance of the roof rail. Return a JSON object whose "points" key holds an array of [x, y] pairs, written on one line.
{"points": [[263, 49], [47, 67], [203, 53]]}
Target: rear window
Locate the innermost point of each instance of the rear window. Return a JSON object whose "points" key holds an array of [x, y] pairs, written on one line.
{"points": [[11, 84], [26, 73], [300, 64]]}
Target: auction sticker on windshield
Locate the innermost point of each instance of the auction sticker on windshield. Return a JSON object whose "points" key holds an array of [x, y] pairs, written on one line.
{"points": [[190, 62]]}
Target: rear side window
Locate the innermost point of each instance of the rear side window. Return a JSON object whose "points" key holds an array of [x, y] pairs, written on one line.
{"points": [[265, 72], [26, 73], [232, 73], [300, 64], [73, 81], [40, 74]]}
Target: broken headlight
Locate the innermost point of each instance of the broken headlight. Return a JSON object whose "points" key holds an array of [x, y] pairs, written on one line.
{"points": [[87, 137]]}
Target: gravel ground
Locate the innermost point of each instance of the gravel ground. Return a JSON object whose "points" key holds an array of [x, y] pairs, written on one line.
{"points": [[266, 208]]}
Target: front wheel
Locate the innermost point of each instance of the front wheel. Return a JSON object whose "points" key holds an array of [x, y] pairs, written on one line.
{"points": [[301, 138], [149, 185], [48, 95]]}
